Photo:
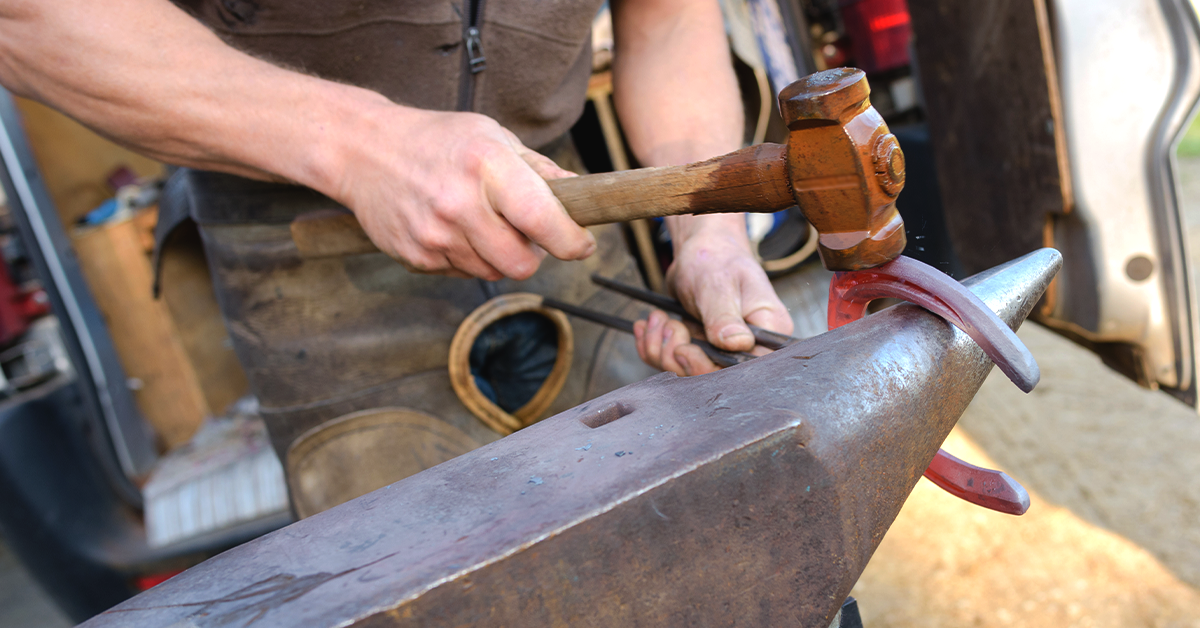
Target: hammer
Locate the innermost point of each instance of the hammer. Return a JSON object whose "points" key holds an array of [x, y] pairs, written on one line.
{"points": [[841, 165]]}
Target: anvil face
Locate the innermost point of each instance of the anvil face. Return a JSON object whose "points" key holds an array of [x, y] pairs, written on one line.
{"points": [[752, 496]]}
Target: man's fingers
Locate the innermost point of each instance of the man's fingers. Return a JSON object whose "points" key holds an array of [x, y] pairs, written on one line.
{"points": [[652, 339], [523, 198], [639, 339], [657, 339], [417, 258], [727, 301], [541, 164], [463, 265], [675, 336], [444, 268], [472, 265], [664, 343], [774, 318], [504, 248], [456, 193], [544, 166], [536, 212], [438, 246], [761, 306], [720, 307], [693, 360]]}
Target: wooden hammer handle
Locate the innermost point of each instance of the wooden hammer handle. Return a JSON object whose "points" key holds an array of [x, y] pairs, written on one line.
{"points": [[753, 179], [749, 180]]}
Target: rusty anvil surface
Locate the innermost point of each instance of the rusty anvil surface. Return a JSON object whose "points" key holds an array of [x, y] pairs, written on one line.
{"points": [[752, 496]]}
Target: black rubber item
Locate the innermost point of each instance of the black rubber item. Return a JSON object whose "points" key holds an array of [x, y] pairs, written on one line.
{"points": [[849, 615], [920, 204], [512, 357], [787, 238]]}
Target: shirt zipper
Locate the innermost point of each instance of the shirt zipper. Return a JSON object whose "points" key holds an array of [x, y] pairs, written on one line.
{"points": [[473, 60]]}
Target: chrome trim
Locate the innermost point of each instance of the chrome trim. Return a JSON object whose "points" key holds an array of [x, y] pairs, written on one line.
{"points": [[1128, 74], [130, 436]]}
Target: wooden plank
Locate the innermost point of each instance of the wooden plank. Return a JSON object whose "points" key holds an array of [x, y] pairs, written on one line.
{"points": [[115, 262], [990, 85], [75, 162], [187, 290], [600, 94]]}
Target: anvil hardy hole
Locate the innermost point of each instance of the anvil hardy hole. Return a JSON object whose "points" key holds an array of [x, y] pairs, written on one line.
{"points": [[606, 415]]}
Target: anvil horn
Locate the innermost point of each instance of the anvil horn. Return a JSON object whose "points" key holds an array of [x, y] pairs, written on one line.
{"points": [[752, 496]]}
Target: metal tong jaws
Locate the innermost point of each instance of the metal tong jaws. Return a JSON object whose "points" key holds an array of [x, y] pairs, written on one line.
{"points": [[720, 357], [764, 337], [907, 279]]}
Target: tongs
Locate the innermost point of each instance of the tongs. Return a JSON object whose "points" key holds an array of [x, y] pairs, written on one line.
{"points": [[763, 337]]}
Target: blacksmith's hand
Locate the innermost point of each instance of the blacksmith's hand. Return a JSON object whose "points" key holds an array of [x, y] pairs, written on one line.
{"points": [[457, 194], [717, 278]]}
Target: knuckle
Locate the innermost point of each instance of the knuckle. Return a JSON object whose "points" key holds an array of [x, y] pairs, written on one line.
{"points": [[452, 208], [482, 154], [522, 270], [457, 213], [476, 158], [423, 264], [438, 240]]}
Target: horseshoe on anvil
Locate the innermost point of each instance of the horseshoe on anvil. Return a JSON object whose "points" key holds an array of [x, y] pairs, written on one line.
{"points": [[909, 280]]}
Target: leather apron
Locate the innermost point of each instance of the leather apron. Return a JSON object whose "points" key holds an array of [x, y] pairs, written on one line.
{"points": [[348, 356]]}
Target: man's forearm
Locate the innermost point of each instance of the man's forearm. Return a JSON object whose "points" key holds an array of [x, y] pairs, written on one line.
{"points": [[674, 85], [676, 92], [149, 76], [679, 102], [442, 192]]}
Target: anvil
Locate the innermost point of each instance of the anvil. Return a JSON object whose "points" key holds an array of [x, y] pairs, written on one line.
{"points": [[753, 496]]}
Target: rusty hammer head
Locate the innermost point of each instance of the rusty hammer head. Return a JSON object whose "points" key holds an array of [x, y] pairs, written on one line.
{"points": [[845, 168]]}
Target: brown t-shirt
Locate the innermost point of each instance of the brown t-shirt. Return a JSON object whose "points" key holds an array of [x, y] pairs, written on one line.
{"points": [[537, 53]]}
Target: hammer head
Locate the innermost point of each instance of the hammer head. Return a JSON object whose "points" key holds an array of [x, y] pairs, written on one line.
{"points": [[845, 167]]}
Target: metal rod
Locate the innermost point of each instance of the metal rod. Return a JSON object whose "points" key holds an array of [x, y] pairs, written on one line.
{"points": [[601, 318], [719, 357], [767, 338]]}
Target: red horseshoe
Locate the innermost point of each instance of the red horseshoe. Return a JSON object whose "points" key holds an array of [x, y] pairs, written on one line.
{"points": [[907, 279]]}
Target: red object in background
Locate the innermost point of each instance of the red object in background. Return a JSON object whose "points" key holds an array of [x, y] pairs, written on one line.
{"points": [[149, 581], [836, 53], [120, 177], [879, 32], [17, 308]]}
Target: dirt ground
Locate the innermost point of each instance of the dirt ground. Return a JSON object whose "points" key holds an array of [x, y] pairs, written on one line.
{"points": [[1113, 536]]}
